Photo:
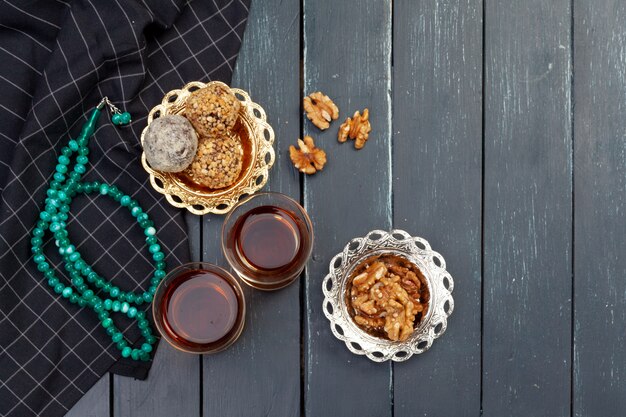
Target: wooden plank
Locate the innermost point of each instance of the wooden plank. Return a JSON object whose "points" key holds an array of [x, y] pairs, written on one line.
{"points": [[347, 55], [600, 208], [173, 385], [437, 151], [95, 403], [527, 209], [260, 374]]}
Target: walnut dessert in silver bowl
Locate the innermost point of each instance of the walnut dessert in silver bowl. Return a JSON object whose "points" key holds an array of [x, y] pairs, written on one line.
{"points": [[388, 295]]}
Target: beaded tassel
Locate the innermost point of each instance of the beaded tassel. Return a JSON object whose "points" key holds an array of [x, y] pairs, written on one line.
{"points": [[65, 185]]}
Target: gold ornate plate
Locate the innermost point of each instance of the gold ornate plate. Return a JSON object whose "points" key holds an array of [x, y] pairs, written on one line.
{"points": [[257, 138]]}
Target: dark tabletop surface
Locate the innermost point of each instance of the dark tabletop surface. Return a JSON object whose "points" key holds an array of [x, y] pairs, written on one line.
{"points": [[499, 136]]}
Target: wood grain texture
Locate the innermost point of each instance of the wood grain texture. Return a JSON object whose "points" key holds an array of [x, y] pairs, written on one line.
{"points": [[527, 209], [347, 55], [173, 385], [95, 403], [260, 374], [437, 141], [600, 208]]}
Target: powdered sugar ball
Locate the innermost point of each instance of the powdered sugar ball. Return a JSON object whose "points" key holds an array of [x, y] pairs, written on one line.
{"points": [[170, 143]]}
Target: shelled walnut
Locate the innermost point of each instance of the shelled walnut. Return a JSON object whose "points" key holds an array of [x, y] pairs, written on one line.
{"points": [[308, 159], [357, 128], [320, 109], [388, 296]]}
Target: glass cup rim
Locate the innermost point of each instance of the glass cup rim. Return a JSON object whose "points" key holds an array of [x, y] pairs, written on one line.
{"points": [[302, 213], [223, 273]]}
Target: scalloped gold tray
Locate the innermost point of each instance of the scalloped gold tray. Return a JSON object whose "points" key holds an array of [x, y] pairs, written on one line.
{"points": [[257, 138]]}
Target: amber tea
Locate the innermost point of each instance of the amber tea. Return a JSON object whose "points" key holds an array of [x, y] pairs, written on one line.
{"points": [[201, 310], [268, 245]]}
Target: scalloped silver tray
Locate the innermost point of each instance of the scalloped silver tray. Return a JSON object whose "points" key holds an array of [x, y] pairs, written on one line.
{"points": [[416, 250]]}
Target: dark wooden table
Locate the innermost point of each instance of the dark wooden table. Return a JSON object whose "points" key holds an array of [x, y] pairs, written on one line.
{"points": [[499, 135]]}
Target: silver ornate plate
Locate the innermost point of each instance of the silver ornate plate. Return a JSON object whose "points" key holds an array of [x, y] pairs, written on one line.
{"points": [[416, 250]]}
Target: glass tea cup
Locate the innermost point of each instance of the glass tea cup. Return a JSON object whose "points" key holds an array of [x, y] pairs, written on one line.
{"points": [[199, 308], [267, 239]]}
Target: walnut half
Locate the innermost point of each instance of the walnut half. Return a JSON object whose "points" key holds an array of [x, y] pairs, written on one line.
{"points": [[357, 128], [320, 109], [308, 159]]}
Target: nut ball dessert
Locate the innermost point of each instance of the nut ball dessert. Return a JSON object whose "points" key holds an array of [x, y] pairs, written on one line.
{"points": [[218, 162], [170, 143], [212, 110]]}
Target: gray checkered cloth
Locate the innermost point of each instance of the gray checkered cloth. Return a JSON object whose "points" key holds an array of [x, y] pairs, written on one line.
{"points": [[57, 59]]}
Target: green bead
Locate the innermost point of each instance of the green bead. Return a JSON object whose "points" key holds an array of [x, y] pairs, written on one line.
{"points": [[151, 339], [150, 231], [146, 348], [135, 354], [150, 240], [79, 169], [78, 281], [132, 312], [116, 118], [114, 292], [117, 337], [139, 301], [130, 297], [43, 266], [108, 304], [104, 189], [83, 151], [103, 315], [92, 276], [61, 168], [59, 288], [55, 184], [73, 145], [67, 291], [82, 302], [106, 323], [74, 298], [142, 216], [53, 281], [158, 256], [160, 265], [36, 241], [126, 352], [66, 151], [37, 232], [125, 200], [144, 356], [39, 258], [136, 211], [45, 216], [154, 248], [125, 307], [116, 305], [87, 295], [74, 257], [125, 118], [111, 331], [64, 160], [69, 249], [58, 176], [147, 297]]}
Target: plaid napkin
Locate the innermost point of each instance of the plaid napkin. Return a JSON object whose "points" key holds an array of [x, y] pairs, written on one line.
{"points": [[57, 59]]}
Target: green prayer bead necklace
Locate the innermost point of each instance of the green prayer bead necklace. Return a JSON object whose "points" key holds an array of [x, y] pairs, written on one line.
{"points": [[64, 186]]}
